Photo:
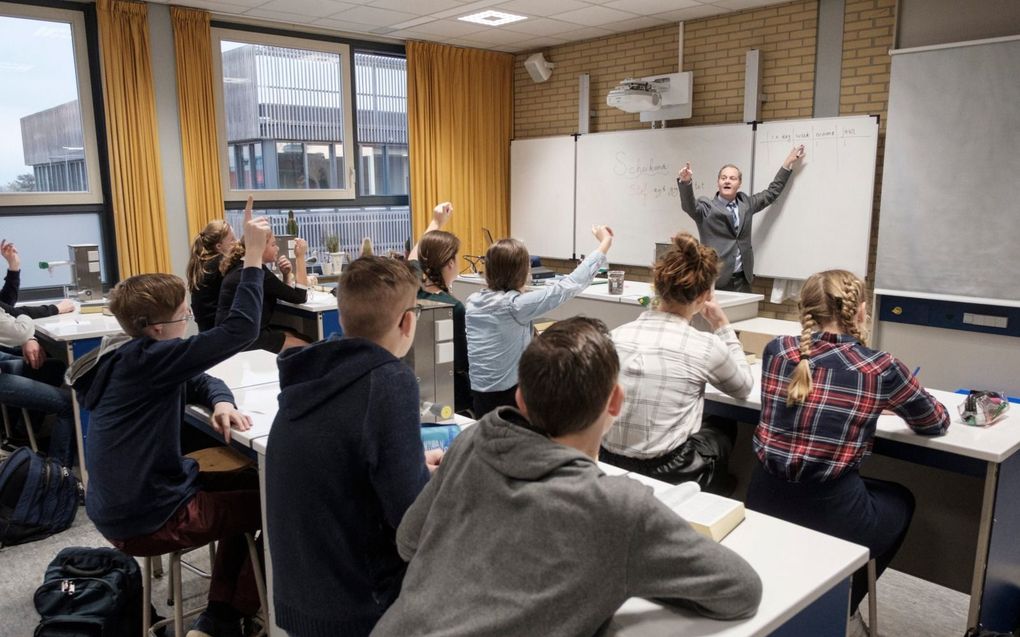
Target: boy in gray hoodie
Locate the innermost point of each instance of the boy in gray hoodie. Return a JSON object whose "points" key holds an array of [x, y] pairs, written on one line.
{"points": [[520, 533]]}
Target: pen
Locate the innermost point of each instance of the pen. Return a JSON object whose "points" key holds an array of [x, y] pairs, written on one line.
{"points": [[917, 370]]}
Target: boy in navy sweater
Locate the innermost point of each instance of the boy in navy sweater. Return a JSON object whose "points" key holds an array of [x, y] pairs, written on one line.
{"points": [[143, 495], [345, 459]]}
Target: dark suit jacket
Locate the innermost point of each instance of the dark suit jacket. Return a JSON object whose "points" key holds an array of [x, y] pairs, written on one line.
{"points": [[715, 225]]}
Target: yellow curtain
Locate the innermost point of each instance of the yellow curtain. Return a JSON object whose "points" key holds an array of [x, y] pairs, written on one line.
{"points": [[203, 192], [460, 120], [136, 180]]}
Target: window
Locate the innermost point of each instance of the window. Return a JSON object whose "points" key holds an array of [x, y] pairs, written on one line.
{"points": [[382, 124], [285, 114], [48, 150]]}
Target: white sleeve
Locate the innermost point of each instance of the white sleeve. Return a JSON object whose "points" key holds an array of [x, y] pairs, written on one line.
{"points": [[15, 331]]}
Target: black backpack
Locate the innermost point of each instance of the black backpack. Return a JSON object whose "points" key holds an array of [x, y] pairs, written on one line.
{"points": [[90, 593], [38, 497]]}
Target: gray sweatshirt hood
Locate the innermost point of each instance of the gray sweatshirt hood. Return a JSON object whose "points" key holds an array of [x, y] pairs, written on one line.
{"points": [[512, 446]]}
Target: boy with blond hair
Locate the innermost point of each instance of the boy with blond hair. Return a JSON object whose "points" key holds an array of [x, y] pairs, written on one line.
{"points": [[348, 431], [143, 495], [555, 545]]}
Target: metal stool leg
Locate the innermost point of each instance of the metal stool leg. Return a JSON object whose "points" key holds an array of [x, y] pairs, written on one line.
{"points": [[146, 595], [872, 600], [30, 429], [260, 584]]}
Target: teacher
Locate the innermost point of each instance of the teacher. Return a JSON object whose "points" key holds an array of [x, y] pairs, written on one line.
{"points": [[724, 221]]}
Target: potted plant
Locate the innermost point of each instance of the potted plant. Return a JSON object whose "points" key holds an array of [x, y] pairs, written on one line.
{"points": [[335, 256]]}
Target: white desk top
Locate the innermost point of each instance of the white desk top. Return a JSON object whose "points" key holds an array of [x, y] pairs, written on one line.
{"points": [[247, 369], [632, 292], [796, 566], [75, 326], [259, 402], [761, 325], [317, 302], [992, 444]]}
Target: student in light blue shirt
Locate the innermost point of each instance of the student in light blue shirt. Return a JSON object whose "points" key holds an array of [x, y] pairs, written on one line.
{"points": [[498, 319]]}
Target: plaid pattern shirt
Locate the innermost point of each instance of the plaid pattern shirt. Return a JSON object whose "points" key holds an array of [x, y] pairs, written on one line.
{"points": [[664, 366], [834, 429]]}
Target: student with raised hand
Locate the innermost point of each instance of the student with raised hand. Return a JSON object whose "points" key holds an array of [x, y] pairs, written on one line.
{"points": [[434, 259], [204, 276], [556, 545], [12, 286], [345, 459], [143, 495], [271, 338], [499, 318], [821, 396], [724, 221], [665, 365]]}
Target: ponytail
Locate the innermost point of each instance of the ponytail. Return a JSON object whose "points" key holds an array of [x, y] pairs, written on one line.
{"points": [[204, 251]]}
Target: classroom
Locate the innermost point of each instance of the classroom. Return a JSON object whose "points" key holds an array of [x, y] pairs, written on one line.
{"points": [[153, 137]]}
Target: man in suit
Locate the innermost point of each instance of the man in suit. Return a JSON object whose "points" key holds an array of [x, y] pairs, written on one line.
{"points": [[724, 221]]}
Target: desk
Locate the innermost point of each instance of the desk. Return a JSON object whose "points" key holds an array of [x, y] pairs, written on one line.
{"points": [[317, 317], [617, 309], [987, 453], [247, 369], [69, 337]]}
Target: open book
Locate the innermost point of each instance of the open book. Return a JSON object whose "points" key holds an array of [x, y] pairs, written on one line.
{"points": [[711, 515]]}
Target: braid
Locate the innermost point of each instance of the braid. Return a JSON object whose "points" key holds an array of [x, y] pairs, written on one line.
{"points": [[799, 386], [432, 276], [851, 301]]}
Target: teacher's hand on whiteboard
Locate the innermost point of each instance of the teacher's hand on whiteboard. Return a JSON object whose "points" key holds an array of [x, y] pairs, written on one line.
{"points": [[685, 175], [605, 236], [795, 155]]}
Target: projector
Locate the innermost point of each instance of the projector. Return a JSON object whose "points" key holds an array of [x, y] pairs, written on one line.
{"points": [[635, 96]]}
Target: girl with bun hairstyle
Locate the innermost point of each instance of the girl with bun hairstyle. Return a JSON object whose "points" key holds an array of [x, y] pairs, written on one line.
{"points": [[434, 259], [821, 396], [204, 276], [664, 366]]}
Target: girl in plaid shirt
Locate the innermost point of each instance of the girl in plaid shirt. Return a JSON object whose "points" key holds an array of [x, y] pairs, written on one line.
{"points": [[821, 398]]}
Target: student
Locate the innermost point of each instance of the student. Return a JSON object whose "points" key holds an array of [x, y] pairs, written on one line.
{"points": [[143, 495], [270, 338], [724, 221], [498, 319], [29, 380], [12, 285], [821, 396], [348, 431], [665, 365], [204, 276], [434, 259], [556, 545]]}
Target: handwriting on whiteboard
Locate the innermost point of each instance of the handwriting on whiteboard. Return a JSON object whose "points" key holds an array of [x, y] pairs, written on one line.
{"points": [[630, 167]]}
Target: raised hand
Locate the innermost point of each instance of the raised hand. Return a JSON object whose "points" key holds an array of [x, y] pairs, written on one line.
{"points": [[256, 236], [685, 175], [796, 154], [604, 234], [441, 214], [10, 253]]}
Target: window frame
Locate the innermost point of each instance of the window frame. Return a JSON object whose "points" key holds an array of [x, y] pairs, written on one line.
{"points": [[86, 103], [293, 41]]}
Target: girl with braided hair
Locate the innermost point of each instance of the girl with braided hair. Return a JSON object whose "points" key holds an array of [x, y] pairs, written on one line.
{"points": [[204, 276], [665, 364], [821, 395], [434, 259]]}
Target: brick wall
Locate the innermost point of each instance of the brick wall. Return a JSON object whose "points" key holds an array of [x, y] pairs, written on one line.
{"points": [[714, 49]]}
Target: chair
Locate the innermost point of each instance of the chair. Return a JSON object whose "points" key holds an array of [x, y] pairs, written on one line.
{"points": [[211, 459], [28, 426]]}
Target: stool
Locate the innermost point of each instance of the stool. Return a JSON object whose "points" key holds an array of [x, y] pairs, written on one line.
{"points": [[180, 614], [28, 426], [872, 600]]}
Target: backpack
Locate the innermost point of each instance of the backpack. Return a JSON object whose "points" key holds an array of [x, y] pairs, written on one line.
{"points": [[90, 592], [38, 497]]}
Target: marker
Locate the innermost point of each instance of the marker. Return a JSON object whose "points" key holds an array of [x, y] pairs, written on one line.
{"points": [[917, 370]]}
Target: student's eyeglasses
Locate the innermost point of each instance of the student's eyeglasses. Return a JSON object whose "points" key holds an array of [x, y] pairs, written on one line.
{"points": [[185, 318], [416, 309]]}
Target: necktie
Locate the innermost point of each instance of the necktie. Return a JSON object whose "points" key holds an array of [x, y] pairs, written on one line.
{"points": [[732, 207]]}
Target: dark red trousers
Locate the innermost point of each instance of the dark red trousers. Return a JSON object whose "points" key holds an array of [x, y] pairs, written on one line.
{"points": [[225, 508]]}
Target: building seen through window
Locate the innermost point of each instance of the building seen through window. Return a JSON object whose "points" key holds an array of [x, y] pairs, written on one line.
{"points": [[284, 119]]}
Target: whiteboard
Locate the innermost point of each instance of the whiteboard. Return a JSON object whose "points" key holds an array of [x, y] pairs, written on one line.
{"points": [[627, 180], [542, 195], [822, 221]]}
